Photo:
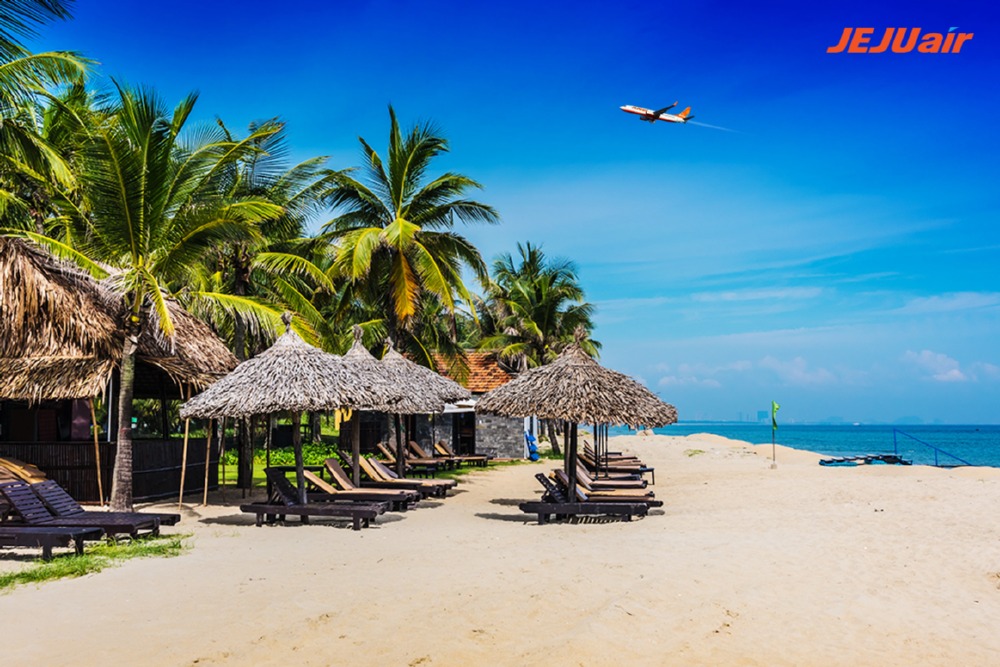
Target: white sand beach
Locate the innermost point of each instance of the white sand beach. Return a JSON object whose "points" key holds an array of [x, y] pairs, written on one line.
{"points": [[744, 565]]}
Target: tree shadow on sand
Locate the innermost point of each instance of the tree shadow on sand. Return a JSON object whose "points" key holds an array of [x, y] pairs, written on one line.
{"points": [[507, 502], [513, 518], [293, 521]]}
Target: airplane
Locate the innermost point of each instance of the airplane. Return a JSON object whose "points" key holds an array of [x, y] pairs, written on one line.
{"points": [[651, 116]]}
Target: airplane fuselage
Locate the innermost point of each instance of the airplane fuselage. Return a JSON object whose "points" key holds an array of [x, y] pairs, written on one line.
{"points": [[649, 115]]}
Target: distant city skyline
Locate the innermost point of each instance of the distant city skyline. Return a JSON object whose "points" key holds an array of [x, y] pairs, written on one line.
{"points": [[835, 252]]}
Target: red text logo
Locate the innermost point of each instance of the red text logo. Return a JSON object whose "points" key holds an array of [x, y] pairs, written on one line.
{"points": [[900, 40]]}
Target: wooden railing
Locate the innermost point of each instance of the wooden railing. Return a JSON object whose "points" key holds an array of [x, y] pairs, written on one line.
{"points": [[156, 466]]}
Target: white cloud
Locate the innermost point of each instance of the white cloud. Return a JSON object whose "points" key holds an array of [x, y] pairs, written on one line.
{"points": [[948, 303], [782, 294], [984, 369], [700, 375], [689, 380], [797, 371], [941, 367]]}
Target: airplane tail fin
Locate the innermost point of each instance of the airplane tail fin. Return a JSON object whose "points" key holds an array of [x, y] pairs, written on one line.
{"points": [[684, 114]]}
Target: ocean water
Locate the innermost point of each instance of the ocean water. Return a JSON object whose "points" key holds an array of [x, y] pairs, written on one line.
{"points": [[956, 445]]}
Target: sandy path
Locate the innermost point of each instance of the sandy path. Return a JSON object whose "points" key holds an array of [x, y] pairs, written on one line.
{"points": [[801, 565]]}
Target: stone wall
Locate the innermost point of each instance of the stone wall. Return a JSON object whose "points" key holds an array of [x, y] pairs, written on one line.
{"points": [[500, 436]]}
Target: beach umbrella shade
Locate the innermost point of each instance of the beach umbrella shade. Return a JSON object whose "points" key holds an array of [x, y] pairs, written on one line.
{"points": [[386, 390], [424, 391], [576, 389], [290, 376]]}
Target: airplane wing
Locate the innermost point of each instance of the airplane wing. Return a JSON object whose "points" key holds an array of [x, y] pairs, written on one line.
{"points": [[660, 112]]}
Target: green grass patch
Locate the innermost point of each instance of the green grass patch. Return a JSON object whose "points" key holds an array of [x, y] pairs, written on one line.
{"points": [[95, 558], [260, 479], [693, 452]]}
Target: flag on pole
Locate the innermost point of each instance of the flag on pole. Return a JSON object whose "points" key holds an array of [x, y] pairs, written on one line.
{"points": [[774, 415]]}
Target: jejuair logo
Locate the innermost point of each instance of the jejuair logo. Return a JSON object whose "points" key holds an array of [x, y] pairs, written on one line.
{"points": [[902, 40]]}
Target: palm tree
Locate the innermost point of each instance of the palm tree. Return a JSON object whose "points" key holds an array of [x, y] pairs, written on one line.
{"points": [[394, 238], [533, 308], [531, 311], [151, 210], [275, 270], [28, 162]]}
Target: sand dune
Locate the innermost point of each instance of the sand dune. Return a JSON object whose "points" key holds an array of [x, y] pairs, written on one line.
{"points": [[745, 565]]}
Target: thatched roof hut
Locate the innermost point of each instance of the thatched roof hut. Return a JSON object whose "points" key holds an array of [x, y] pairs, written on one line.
{"points": [[423, 389], [577, 389], [60, 333], [290, 376]]}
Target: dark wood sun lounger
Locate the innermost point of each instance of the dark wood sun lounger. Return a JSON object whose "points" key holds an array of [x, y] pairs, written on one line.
{"points": [[375, 480], [401, 499], [441, 448], [417, 454], [47, 537], [620, 496], [33, 512], [555, 503], [626, 468], [62, 504], [283, 502], [438, 486], [425, 468]]}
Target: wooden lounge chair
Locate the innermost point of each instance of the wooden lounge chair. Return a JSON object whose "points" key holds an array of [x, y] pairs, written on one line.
{"points": [[629, 483], [626, 468], [374, 479], [606, 496], [417, 453], [47, 537], [426, 468], [61, 504], [32, 512], [555, 503], [399, 499], [612, 456], [442, 449], [17, 469], [439, 487], [284, 502]]}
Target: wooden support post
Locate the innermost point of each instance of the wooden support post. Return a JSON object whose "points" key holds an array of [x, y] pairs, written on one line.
{"points": [[97, 452], [571, 455], [208, 459], [300, 477], [184, 455], [356, 446], [222, 458], [400, 452]]}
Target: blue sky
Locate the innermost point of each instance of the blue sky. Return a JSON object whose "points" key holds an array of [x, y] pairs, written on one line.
{"points": [[836, 252]]}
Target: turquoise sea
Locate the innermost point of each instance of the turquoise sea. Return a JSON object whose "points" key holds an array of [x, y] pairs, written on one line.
{"points": [[975, 445]]}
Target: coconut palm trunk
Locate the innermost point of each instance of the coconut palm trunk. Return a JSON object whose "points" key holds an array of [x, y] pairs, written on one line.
{"points": [[121, 484]]}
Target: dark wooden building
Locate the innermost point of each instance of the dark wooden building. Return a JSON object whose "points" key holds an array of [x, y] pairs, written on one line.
{"points": [[60, 349]]}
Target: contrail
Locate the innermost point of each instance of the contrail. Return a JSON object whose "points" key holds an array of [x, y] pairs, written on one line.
{"points": [[713, 127]]}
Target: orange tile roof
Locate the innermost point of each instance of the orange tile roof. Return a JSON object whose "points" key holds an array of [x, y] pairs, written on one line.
{"points": [[484, 372]]}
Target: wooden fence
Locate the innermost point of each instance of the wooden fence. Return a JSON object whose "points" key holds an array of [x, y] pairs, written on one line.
{"points": [[156, 466]]}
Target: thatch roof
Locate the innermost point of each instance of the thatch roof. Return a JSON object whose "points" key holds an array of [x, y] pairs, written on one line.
{"points": [[577, 389], [60, 335], [386, 382], [290, 375], [423, 390], [294, 376]]}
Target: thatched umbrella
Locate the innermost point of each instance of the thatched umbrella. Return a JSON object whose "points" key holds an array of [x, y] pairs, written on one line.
{"points": [[291, 376], [576, 389], [425, 391], [387, 387]]}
